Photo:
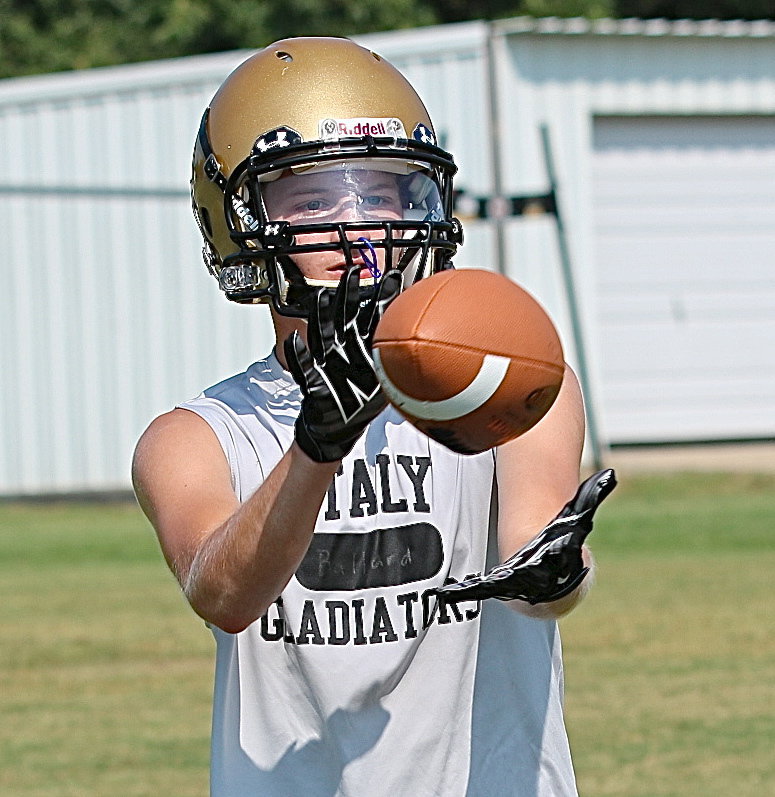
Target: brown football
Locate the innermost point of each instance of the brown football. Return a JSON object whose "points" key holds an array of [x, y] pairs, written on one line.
{"points": [[470, 358]]}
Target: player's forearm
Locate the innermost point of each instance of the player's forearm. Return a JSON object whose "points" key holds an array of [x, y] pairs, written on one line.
{"points": [[243, 565]]}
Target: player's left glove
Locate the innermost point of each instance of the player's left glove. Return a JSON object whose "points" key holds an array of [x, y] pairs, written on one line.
{"points": [[550, 566]]}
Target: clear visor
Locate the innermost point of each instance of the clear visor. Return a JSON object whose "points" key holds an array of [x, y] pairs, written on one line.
{"points": [[363, 190]]}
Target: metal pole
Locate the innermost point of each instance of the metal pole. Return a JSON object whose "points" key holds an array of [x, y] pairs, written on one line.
{"points": [[573, 308], [496, 160]]}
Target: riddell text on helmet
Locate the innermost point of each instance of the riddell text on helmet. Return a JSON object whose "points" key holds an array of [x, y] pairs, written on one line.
{"points": [[347, 128]]}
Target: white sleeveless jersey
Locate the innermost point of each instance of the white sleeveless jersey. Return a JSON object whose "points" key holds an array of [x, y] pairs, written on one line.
{"points": [[357, 683]]}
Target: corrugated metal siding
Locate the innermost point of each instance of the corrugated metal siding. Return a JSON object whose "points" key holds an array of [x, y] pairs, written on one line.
{"points": [[568, 77], [685, 236], [453, 76], [108, 316], [118, 321]]}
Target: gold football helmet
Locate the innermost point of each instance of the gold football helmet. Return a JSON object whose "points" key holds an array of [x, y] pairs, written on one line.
{"points": [[312, 147]]}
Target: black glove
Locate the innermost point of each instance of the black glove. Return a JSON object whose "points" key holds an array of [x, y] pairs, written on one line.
{"points": [[550, 566], [335, 371]]}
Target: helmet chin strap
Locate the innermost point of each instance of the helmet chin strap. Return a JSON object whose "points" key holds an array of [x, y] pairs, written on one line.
{"points": [[413, 256]]}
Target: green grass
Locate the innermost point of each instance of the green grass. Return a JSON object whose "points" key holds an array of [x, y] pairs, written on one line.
{"points": [[106, 672], [670, 664]]}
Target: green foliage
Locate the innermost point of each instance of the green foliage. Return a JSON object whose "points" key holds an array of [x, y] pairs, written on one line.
{"points": [[39, 36], [460, 10], [592, 9], [344, 17], [52, 35], [695, 9], [47, 36]]}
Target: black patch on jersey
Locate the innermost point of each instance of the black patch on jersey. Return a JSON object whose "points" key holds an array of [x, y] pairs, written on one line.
{"points": [[380, 558]]}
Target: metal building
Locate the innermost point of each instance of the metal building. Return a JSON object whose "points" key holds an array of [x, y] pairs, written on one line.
{"points": [[662, 140]]}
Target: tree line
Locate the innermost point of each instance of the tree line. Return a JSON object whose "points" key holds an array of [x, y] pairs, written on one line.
{"points": [[40, 36]]}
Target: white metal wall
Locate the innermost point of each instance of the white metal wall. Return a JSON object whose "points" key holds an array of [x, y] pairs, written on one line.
{"points": [[107, 316], [655, 78], [684, 211]]}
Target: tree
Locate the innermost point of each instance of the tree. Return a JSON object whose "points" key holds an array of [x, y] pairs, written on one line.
{"points": [[345, 17], [53, 35], [459, 10], [696, 9]]}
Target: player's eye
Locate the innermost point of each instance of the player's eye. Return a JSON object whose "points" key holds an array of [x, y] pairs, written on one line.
{"points": [[310, 207], [378, 201]]}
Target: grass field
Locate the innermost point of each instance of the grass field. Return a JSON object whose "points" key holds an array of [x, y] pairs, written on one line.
{"points": [[670, 664]]}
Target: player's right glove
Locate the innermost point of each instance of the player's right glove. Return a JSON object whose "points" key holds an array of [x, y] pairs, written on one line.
{"points": [[550, 566], [335, 371]]}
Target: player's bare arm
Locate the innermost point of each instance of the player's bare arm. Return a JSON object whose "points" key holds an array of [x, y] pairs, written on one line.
{"points": [[545, 567], [539, 471], [231, 560], [537, 474]]}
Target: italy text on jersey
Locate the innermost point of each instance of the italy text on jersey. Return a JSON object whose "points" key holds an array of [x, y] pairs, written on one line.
{"points": [[372, 565]]}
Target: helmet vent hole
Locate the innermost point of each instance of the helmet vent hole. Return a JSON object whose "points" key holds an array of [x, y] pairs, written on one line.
{"points": [[376, 57], [283, 56]]}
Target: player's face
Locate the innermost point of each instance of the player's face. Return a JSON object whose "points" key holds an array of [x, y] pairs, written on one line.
{"points": [[340, 195]]}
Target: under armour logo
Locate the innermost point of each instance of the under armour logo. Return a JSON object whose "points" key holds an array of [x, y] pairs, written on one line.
{"points": [[275, 233], [424, 134], [276, 139]]}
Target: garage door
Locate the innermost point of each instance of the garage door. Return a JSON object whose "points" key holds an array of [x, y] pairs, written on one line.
{"points": [[685, 245]]}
